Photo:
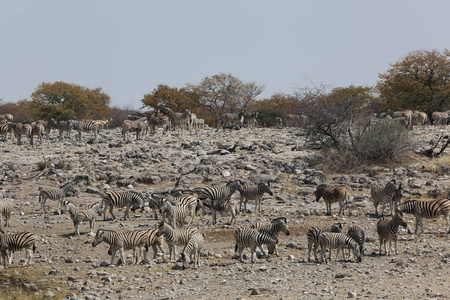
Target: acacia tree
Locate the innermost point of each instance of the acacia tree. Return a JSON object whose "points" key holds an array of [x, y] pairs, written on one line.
{"points": [[64, 101], [164, 96], [223, 93], [420, 80]]}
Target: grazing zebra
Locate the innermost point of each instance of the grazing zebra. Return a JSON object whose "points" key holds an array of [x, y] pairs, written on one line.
{"points": [[253, 193], [6, 207], [229, 206], [387, 230], [338, 241], [159, 121], [63, 126], [230, 119], [192, 250], [54, 194], [11, 242], [175, 237], [120, 241], [357, 234], [128, 199], [152, 239], [251, 237], [137, 126], [331, 195], [313, 238], [175, 213], [428, 210], [83, 215], [276, 226], [86, 126], [337, 227], [37, 130], [389, 193]]}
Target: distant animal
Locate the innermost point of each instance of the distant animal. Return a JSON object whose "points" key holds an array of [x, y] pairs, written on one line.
{"points": [[128, 199], [192, 250], [251, 237], [6, 207], [175, 237], [389, 193], [276, 226], [332, 195], [56, 194], [11, 242], [256, 193], [338, 241], [387, 230]]}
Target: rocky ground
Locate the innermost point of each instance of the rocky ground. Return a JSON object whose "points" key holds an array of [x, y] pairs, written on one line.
{"points": [[67, 266]]}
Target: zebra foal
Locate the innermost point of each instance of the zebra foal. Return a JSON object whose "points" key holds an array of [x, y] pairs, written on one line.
{"points": [[356, 233], [83, 215], [54, 194], [6, 207], [276, 226], [11, 242], [387, 230], [251, 238], [332, 195], [389, 193], [175, 237], [121, 241], [428, 210], [248, 192], [128, 199], [338, 241], [192, 250]]}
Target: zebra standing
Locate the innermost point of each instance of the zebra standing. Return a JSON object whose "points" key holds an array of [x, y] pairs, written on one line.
{"points": [[86, 126], [313, 238], [276, 226], [218, 193], [11, 242], [389, 193], [190, 201], [387, 230], [175, 213], [137, 126], [249, 192], [120, 241], [158, 121], [6, 207], [251, 237], [428, 210], [331, 195], [83, 215], [175, 237], [233, 119], [356, 233], [338, 241], [37, 130], [152, 239], [229, 206], [54, 194], [128, 199], [192, 250], [5, 128], [63, 126], [179, 120]]}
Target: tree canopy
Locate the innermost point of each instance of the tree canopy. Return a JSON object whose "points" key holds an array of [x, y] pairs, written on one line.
{"points": [[163, 96], [420, 80], [64, 101]]}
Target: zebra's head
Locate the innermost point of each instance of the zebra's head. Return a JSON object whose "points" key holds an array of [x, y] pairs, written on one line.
{"points": [[337, 227], [186, 260], [162, 228], [398, 219], [235, 185], [264, 188], [319, 191], [281, 224], [138, 201], [98, 238]]}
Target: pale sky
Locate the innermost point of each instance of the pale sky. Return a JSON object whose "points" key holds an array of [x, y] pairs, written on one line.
{"points": [[129, 47]]}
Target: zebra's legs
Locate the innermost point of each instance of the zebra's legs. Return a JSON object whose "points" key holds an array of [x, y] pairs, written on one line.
{"points": [[328, 206], [127, 213], [77, 230], [113, 253], [29, 256], [375, 205], [92, 225], [122, 256]]}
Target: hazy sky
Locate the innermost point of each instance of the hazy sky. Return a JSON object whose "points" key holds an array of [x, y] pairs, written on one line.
{"points": [[129, 47]]}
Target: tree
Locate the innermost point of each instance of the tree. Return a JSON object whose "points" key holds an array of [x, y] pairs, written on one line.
{"points": [[64, 101], [19, 110], [164, 96], [420, 80], [223, 93]]}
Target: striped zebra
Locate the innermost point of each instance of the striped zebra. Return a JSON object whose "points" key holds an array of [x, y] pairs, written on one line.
{"points": [[313, 238], [389, 193], [246, 237], [338, 241], [233, 119], [85, 126], [179, 120], [63, 126], [128, 199], [192, 250], [175, 237], [56, 194], [249, 192], [22, 130], [176, 214], [336, 227], [428, 210], [387, 230], [5, 128], [158, 121], [83, 215], [6, 207], [155, 241], [218, 193], [331, 195], [121, 241], [11, 242], [137, 126], [227, 206], [37, 130], [276, 226], [356, 233], [190, 201]]}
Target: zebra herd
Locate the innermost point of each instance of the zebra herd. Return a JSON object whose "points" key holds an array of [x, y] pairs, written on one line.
{"points": [[176, 230]]}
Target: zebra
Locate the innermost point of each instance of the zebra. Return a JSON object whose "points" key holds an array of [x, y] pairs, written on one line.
{"points": [[191, 202], [356, 233], [175, 213], [293, 120], [38, 130], [192, 250], [428, 210], [175, 237], [389, 193], [120, 241], [338, 241], [276, 226], [199, 123], [153, 240], [229, 206], [6, 207], [63, 126], [85, 126], [251, 237], [233, 119], [439, 118], [11, 242], [180, 120], [387, 230], [83, 215], [158, 121], [128, 199], [22, 130], [218, 193], [313, 238], [54, 194], [248, 192], [137, 126], [331, 195]]}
